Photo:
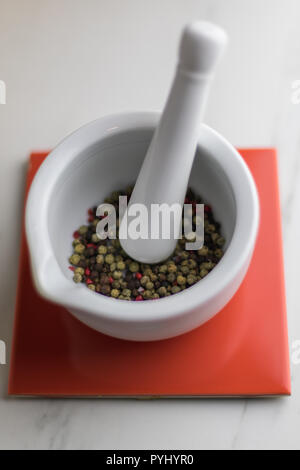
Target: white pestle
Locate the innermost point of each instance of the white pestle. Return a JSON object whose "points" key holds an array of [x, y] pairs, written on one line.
{"points": [[165, 172]]}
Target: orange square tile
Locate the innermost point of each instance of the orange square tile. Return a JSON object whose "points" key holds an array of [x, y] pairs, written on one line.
{"points": [[242, 351]]}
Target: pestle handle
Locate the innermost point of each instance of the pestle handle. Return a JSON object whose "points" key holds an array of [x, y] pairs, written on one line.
{"points": [[201, 46], [165, 172]]}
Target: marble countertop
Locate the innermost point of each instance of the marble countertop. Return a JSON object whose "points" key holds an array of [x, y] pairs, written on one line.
{"points": [[67, 62]]}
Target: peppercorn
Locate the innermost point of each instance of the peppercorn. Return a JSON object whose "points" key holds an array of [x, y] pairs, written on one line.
{"points": [[144, 280], [181, 280], [102, 250], [172, 268], [79, 248], [203, 251], [79, 270], [218, 253], [184, 269], [109, 259], [126, 292], [113, 267], [171, 277], [191, 279], [74, 259], [220, 241], [99, 259], [147, 294], [95, 238], [117, 275], [203, 272], [115, 293], [162, 291], [83, 229], [105, 289], [121, 265], [106, 269], [149, 285], [175, 289], [134, 267], [163, 268], [77, 277]]}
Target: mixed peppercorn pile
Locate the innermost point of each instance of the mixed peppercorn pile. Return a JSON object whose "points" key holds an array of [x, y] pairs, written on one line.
{"points": [[106, 269]]}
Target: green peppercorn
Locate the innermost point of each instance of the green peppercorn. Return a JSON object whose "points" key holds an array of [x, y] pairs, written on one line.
{"points": [[149, 285], [79, 248], [115, 293], [74, 259], [175, 289], [144, 280], [162, 291], [102, 250], [203, 251], [109, 259], [117, 275], [126, 292], [172, 268], [100, 259], [220, 241], [163, 268], [121, 265], [171, 277], [77, 277], [113, 267], [147, 294], [191, 279], [95, 238], [207, 265], [134, 267], [147, 271], [79, 271], [83, 229], [184, 269], [192, 263], [181, 280], [218, 253], [92, 287], [203, 272]]}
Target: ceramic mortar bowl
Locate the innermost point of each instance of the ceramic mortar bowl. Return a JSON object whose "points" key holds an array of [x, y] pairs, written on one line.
{"points": [[106, 155]]}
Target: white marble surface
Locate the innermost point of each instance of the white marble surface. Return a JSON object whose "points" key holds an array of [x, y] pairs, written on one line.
{"points": [[66, 62]]}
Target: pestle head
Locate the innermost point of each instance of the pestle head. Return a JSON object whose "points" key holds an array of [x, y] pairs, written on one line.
{"points": [[201, 46]]}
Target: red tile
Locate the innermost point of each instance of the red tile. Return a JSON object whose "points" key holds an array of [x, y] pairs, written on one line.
{"points": [[242, 351]]}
